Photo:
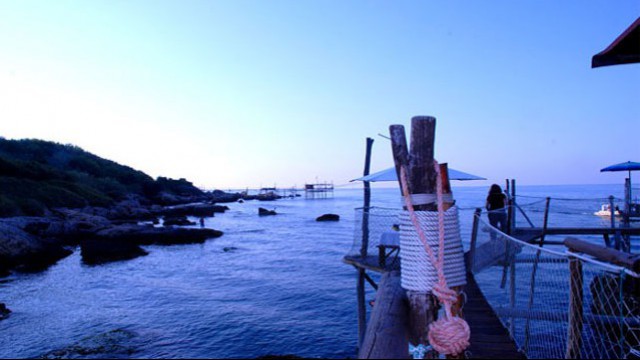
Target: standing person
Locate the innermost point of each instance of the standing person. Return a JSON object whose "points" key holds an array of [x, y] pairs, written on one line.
{"points": [[496, 203]]}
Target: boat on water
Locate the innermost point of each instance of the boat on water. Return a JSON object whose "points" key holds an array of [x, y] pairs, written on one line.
{"points": [[605, 211], [631, 208]]}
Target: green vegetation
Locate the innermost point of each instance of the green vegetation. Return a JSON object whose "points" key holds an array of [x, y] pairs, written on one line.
{"points": [[37, 174]]}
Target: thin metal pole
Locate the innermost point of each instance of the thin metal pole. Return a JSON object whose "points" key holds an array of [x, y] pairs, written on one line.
{"points": [[532, 287]]}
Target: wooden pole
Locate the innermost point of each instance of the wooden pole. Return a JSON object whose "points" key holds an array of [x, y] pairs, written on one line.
{"points": [[362, 310], [422, 180], [574, 331], [367, 201], [471, 255]]}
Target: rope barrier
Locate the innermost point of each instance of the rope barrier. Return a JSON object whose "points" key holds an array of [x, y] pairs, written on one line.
{"points": [[448, 335]]}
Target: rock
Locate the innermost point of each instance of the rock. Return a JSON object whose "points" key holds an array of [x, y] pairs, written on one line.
{"points": [[328, 217], [264, 212], [240, 201], [219, 196], [178, 220], [198, 209], [114, 344], [4, 311], [24, 251], [99, 251], [71, 226], [229, 248], [147, 235]]}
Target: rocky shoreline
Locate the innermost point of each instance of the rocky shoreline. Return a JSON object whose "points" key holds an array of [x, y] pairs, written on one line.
{"points": [[29, 244]]}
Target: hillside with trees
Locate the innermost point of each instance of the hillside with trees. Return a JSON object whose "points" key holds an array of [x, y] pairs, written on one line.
{"points": [[37, 175]]}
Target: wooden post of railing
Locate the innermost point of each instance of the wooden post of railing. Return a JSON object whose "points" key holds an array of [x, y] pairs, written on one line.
{"points": [[512, 225], [612, 211], [362, 310], [574, 331], [471, 255], [422, 180]]}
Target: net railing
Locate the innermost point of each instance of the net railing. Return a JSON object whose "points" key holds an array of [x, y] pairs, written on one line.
{"points": [[371, 225], [567, 212], [554, 303]]}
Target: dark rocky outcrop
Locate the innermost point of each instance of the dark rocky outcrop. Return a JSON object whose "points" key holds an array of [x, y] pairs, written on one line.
{"points": [[148, 235], [24, 251], [4, 311], [219, 196], [177, 220], [99, 251], [197, 209], [328, 217], [265, 212], [114, 344]]}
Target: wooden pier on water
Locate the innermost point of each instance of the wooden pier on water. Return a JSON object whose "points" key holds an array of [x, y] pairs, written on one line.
{"points": [[318, 190], [386, 334], [398, 316]]}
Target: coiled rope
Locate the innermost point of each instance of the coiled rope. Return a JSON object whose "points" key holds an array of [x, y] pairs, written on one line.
{"points": [[450, 334]]}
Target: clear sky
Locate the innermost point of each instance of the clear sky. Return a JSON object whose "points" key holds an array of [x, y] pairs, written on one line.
{"points": [[256, 93]]}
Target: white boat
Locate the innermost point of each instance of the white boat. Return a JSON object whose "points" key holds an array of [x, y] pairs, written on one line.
{"points": [[605, 210]]}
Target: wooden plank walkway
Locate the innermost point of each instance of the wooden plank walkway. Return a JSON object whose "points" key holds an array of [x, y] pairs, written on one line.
{"points": [[489, 338]]}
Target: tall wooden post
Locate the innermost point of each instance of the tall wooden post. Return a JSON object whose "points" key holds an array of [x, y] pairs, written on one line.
{"points": [[574, 330], [421, 180], [362, 311]]}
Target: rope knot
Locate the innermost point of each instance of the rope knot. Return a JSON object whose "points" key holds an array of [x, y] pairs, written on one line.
{"points": [[449, 335], [445, 295]]}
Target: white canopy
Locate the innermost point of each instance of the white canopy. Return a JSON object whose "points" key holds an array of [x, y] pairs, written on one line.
{"points": [[390, 175]]}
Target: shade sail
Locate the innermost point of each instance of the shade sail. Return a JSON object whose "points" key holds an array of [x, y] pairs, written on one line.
{"points": [[625, 49], [625, 166], [390, 175]]}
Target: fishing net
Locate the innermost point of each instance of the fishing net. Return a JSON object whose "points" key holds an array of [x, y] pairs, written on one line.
{"points": [[375, 235], [556, 304]]}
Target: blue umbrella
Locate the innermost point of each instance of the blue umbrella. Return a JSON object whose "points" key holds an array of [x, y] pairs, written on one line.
{"points": [[391, 175], [625, 166]]}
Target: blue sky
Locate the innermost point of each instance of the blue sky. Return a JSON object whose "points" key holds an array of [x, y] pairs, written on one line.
{"points": [[257, 93]]}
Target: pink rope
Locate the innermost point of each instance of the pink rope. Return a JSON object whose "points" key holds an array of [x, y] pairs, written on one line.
{"points": [[450, 334]]}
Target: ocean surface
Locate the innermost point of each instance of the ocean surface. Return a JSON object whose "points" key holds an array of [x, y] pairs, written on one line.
{"points": [[270, 285]]}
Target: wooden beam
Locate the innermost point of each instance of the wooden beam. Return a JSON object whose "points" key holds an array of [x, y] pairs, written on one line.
{"points": [[386, 336], [604, 254]]}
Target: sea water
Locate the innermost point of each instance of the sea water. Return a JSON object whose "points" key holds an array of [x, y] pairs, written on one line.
{"points": [[271, 285]]}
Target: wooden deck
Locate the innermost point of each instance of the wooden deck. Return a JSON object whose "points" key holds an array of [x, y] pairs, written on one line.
{"points": [[489, 338]]}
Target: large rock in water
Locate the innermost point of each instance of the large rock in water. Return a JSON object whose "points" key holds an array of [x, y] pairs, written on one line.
{"points": [[199, 209], [4, 312], [328, 217], [265, 212], [99, 251], [178, 220], [147, 235], [24, 251]]}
